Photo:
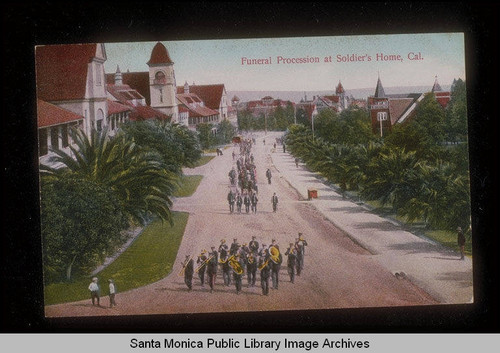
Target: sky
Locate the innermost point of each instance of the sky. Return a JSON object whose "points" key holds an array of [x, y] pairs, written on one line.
{"points": [[221, 61]]}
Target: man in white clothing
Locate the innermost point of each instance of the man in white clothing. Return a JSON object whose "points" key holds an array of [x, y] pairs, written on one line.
{"points": [[94, 291]]}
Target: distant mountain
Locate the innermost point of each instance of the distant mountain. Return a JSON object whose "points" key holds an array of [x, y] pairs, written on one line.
{"points": [[296, 96]]}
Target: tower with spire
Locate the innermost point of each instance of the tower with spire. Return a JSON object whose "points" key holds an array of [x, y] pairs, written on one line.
{"points": [[162, 83]]}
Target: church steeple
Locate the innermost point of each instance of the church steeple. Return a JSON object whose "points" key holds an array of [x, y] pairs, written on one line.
{"points": [[436, 87], [118, 76], [379, 91]]}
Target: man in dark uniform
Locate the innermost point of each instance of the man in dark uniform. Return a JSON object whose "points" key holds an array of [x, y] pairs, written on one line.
{"points": [[251, 269], [212, 268], [188, 266], [201, 270], [234, 247], [292, 257], [268, 176], [246, 201], [231, 199], [253, 246], [254, 200], [223, 249], [237, 277], [265, 269], [226, 270], [274, 201], [239, 202], [300, 245]]}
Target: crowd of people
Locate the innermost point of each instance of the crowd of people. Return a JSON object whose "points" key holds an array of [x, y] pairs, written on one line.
{"points": [[243, 189], [235, 261]]}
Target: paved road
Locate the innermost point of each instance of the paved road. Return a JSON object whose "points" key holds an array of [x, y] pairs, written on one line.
{"points": [[339, 273]]}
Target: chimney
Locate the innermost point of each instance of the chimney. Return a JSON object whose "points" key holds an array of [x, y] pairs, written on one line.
{"points": [[186, 88]]}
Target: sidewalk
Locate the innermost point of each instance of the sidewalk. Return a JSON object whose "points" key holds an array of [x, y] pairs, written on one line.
{"points": [[436, 269]]}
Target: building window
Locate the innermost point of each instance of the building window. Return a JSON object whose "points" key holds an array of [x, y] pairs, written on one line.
{"points": [[161, 95], [54, 137], [42, 140], [99, 125], [381, 116]]}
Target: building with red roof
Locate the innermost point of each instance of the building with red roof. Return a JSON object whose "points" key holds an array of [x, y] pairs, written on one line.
{"points": [[71, 91], [386, 110]]}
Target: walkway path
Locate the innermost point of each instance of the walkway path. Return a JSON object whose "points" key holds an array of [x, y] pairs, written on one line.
{"points": [[436, 269]]}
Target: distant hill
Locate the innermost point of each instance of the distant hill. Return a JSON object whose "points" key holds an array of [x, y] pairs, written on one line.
{"points": [[296, 96]]}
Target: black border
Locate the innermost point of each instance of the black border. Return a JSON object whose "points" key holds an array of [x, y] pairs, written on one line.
{"points": [[26, 24]]}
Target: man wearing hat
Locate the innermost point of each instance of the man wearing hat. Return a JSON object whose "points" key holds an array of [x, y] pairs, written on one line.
{"points": [[212, 268], [246, 201], [202, 258], [265, 269], [237, 277], [275, 266], [234, 247], [461, 242], [226, 270], [291, 252], [253, 246], [94, 291], [300, 244], [231, 199], [223, 248], [274, 201], [239, 202], [188, 272], [112, 292]]}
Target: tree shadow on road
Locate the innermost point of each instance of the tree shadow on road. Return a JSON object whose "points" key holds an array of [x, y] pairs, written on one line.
{"points": [[419, 247], [463, 278]]}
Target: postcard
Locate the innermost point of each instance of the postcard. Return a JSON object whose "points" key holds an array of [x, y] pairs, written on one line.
{"points": [[254, 175]]}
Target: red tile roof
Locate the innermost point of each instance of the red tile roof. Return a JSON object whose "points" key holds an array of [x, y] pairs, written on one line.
{"points": [[159, 55], [397, 107], [143, 112], [333, 98], [115, 107], [210, 94], [61, 70], [50, 115], [123, 93], [138, 81]]}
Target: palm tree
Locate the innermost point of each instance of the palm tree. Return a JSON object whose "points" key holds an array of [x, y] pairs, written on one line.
{"points": [[392, 178], [138, 178]]}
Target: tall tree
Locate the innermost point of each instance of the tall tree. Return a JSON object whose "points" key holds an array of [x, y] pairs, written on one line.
{"points": [[80, 224]]}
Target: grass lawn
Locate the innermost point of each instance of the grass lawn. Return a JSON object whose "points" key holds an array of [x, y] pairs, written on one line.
{"points": [[150, 258], [203, 160], [187, 185]]}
